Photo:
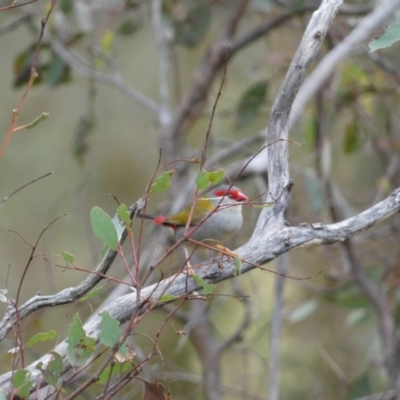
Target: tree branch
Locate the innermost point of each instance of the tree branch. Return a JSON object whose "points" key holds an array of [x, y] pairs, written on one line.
{"points": [[277, 159]]}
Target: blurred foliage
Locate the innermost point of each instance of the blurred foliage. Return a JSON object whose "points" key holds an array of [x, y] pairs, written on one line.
{"points": [[190, 20], [250, 103], [53, 72], [391, 35]]}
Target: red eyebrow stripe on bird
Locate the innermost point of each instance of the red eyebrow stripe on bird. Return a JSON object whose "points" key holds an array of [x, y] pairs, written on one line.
{"points": [[236, 194]]}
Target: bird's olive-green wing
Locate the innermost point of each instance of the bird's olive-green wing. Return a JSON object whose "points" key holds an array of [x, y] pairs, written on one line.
{"points": [[202, 207]]}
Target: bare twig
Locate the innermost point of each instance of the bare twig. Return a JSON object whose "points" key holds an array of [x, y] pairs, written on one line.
{"points": [[24, 186], [33, 76], [14, 4]]}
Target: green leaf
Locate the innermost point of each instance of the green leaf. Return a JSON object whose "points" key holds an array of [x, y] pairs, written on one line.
{"points": [[22, 67], [208, 288], [353, 301], [205, 178], [108, 372], [351, 137], [191, 22], [110, 333], [237, 262], [163, 182], [250, 103], [66, 6], [57, 71], [80, 346], [21, 380], [165, 298], [127, 27], [123, 214], [56, 364], [40, 337], [38, 120], [391, 35], [54, 368], [91, 294], [68, 257], [104, 228]]}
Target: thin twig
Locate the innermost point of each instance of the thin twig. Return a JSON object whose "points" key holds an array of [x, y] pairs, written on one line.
{"points": [[24, 186], [33, 76]]}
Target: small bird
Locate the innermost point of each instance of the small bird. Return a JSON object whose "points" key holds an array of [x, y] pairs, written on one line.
{"points": [[223, 204]]}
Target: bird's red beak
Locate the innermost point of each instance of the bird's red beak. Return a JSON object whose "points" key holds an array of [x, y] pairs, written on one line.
{"points": [[238, 195]]}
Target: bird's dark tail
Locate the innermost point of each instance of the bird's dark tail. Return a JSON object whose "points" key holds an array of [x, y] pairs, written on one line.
{"points": [[147, 216]]}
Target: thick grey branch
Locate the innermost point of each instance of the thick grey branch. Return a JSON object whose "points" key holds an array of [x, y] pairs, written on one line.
{"points": [[278, 129]]}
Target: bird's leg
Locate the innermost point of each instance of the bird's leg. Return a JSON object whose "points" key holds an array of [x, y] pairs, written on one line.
{"points": [[225, 251], [190, 270], [212, 247]]}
